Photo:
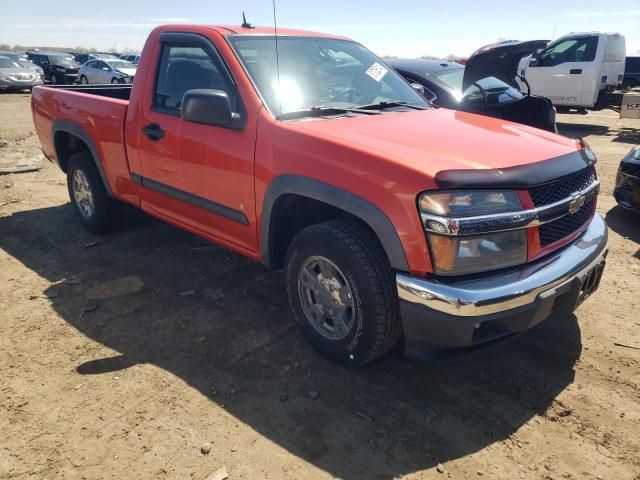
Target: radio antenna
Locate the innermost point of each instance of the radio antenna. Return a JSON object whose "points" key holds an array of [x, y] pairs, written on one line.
{"points": [[275, 33], [246, 24]]}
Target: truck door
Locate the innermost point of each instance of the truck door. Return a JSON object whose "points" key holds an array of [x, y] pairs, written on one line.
{"points": [[195, 175], [559, 71]]}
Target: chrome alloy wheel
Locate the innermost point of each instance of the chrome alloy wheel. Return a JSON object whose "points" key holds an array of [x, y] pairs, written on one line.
{"points": [[326, 298], [82, 194]]}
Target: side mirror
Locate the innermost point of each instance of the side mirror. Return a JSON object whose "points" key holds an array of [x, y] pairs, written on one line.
{"points": [[418, 88], [106, 69], [210, 107], [535, 58]]}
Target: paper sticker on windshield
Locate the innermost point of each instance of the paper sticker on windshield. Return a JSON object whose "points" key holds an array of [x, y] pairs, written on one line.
{"points": [[377, 71]]}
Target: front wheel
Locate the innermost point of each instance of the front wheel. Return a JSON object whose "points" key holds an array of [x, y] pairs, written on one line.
{"points": [[98, 212], [115, 81], [84, 80], [54, 79], [341, 291]]}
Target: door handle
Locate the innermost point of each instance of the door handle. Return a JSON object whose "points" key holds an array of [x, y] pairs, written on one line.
{"points": [[153, 131], [575, 71]]}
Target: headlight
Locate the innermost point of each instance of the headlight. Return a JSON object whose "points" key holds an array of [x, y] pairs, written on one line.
{"points": [[587, 150], [470, 254], [463, 254], [469, 204]]}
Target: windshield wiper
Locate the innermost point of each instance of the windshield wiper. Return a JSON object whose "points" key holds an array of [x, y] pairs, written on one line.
{"points": [[389, 104], [324, 110]]}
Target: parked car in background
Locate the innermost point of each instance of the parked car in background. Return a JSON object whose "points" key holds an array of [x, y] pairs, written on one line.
{"points": [[23, 61], [576, 69], [631, 73], [81, 58], [485, 85], [14, 55], [135, 59], [627, 189], [59, 67], [390, 218], [107, 70], [32, 66], [14, 76]]}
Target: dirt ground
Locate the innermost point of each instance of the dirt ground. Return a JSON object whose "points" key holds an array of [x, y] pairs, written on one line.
{"points": [[129, 355]]}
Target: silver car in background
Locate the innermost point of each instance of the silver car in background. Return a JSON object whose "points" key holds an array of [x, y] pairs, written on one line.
{"points": [[13, 76], [32, 66], [135, 59], [107, 70]]}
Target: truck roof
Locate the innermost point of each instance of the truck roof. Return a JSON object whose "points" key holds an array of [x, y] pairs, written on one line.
{"points": [[227, 30]]}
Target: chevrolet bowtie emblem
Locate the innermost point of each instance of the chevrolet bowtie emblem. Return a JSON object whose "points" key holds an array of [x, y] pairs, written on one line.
{"points": [[577, 201]]}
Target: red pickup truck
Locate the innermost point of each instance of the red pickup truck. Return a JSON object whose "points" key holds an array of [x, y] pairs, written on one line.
{"points": [[392, 218]]}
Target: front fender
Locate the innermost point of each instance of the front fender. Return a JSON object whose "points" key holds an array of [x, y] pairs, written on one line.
{"points": [[375, 218]]}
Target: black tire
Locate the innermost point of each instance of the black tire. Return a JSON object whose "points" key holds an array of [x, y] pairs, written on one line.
{"points": [[84, 80], [54, 79], [115, 81], [356, 251], [107, 213]]}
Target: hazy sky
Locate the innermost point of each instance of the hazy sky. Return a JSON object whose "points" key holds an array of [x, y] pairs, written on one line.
{"points": [[401, 27]]}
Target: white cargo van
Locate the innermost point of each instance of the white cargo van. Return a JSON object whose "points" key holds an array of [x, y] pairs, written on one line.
{"points": [[574, 69]]}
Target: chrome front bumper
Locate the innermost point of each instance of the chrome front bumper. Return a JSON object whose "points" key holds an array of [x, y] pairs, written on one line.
{"points": [[442, 312], [496, 293]]}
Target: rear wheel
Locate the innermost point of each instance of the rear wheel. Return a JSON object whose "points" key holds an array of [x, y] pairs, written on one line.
{"points": [[97, 211], [341, 290]]}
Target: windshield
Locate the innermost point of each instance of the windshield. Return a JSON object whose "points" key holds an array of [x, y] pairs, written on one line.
{"points": [[120, 64], [8, 63], [26, 64], [495, 90], [65, 61], [318, 72]]}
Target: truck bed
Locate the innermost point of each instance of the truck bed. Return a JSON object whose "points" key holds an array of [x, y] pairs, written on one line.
{"points": [[94, 114], [121, 92]]}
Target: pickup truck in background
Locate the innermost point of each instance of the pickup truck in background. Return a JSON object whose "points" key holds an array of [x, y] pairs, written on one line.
{"points": [[393, 219], [576, 69]]}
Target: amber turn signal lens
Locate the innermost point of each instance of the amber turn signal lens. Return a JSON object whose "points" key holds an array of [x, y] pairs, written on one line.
{"points": [[478, 253]]}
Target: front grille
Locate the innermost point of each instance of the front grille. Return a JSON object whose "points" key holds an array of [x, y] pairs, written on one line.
{"points": [[563, 227], [563, 188], [632, 169]]}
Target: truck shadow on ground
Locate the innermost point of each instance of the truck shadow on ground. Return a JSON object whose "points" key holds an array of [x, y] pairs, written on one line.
{"points": [[235, 342], [624, 222]]}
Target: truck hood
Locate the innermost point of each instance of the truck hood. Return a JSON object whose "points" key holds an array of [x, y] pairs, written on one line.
{"points": [[430, 141], [498, 60]]}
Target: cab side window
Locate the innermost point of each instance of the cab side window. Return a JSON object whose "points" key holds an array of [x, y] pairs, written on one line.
{"points": [[183, 68], [570, 50]]}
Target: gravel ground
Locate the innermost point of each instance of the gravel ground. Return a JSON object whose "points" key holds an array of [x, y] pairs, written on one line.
{"points": [[149, 353]]}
